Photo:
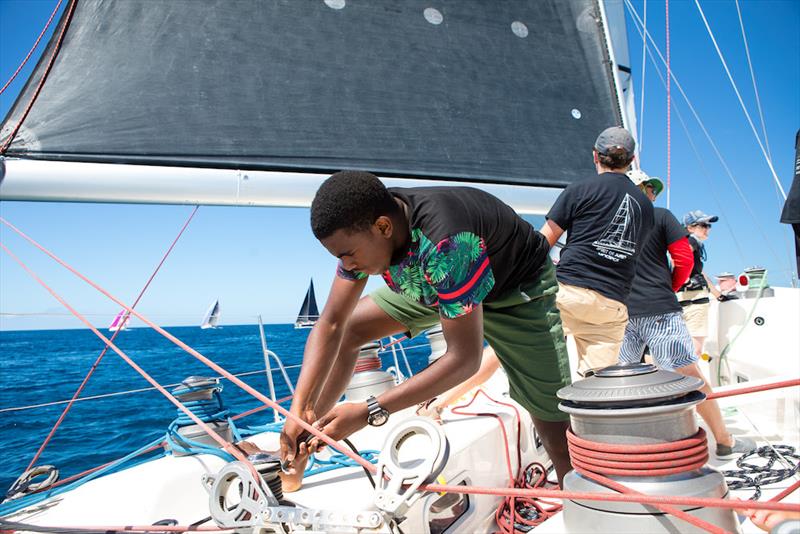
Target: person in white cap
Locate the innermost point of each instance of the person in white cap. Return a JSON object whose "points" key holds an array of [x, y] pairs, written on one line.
{"points": [[608, 220], [655, 318], [693, 296]]}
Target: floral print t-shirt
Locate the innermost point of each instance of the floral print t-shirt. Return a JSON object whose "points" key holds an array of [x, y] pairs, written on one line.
{"points": [[467, 247]]}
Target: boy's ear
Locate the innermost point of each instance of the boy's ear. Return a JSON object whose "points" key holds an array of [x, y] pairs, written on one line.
{"points": [[384, 226]]}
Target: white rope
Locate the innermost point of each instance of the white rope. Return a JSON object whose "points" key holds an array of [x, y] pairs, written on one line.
{"points": [[741, 102], [644, 70], [753, 77], [645, 34]]}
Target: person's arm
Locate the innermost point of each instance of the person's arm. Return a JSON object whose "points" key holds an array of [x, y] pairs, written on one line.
{"points": [[551, 231], [682, 262], [320, 353], [464, 337], [489, 365], [711, 287]]}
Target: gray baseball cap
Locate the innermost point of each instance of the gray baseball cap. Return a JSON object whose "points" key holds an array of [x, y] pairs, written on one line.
{"points": [[615, 137], [698, 217]]}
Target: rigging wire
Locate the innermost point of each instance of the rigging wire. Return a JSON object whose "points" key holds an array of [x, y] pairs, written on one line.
{"points": [[741, 102], [225, 445], [115, 334], [669, 110], [785, 235], [753, 77], [703, 128], [56, 49], [35, 45], [706, 174], [644, 71]]}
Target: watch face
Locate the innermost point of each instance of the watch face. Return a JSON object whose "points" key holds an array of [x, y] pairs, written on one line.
{"points": [[378, 418]]}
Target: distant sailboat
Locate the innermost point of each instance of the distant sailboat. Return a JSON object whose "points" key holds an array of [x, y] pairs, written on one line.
{"points": [[308, 311], [212, 316], [118, 323]]}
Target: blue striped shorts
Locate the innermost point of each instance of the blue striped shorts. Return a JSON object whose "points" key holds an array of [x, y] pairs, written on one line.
{"points": [[667, 336]]}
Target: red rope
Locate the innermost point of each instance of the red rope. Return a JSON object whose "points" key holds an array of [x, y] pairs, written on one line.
{"points": [[369, 363], [105, 349], [659, 459], [43, 78], [395, 342], [611, 484], [669, 110], [593, 459], [787, 491], [754, 389], [30, 52], [512, 510], [243, 385], [235, 452]]}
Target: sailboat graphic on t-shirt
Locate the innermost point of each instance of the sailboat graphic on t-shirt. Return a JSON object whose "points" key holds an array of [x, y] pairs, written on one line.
{"points": [[621, 233]]}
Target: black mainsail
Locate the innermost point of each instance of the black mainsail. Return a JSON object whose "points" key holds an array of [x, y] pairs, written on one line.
{"points": [[510, 92], [308, 311]]}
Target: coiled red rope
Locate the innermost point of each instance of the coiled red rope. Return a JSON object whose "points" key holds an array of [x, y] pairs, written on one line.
{"points": [[369, 363], [659, 459]]}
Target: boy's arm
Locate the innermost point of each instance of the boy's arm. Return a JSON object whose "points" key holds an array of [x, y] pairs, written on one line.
{"points": [[321, 351], [464, 336]]}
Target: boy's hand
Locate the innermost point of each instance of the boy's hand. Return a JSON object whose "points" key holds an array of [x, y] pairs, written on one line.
{"points": [[341, 421], [291, 435]]}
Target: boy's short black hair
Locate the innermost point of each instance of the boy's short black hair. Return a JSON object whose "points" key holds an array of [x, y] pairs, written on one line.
{"points": [[351, 200]]}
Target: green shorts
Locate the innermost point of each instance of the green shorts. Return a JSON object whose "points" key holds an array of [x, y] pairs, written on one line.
{"points": [[524, 329]]}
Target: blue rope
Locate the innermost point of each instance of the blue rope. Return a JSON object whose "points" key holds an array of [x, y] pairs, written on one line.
{"points": [[208, 411], [337, 461], [9, 507]]}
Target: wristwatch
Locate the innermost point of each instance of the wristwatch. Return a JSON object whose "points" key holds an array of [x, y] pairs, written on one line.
{"points": [[377, 415]]}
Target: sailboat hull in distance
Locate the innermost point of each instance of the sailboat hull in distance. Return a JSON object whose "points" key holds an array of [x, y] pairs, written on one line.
{"points": [[212, 317], [309, 314]]}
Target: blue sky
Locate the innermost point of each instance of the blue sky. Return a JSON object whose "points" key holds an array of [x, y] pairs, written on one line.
{"points": [[259, 260]]}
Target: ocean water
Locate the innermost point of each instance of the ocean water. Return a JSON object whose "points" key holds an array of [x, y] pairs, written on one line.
{"points": [[46, 366]]}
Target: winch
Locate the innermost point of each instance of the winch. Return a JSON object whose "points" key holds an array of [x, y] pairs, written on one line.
{"points": [[636, 425], [202, 396], [368, 378]]}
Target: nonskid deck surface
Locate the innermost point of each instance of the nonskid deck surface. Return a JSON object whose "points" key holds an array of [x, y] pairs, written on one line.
{"points": [[170, 488]]}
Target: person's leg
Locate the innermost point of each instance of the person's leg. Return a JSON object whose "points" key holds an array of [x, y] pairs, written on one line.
{"points": [[696, 317], [525, 332], [553, 435], [709, 409], [596, 322], [632, 344]]}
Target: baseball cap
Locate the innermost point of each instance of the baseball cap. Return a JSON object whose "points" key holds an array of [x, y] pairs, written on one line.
{"points": [[639, 177], [697, 217], [615, 137]]}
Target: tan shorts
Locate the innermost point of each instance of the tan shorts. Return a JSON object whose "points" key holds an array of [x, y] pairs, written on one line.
{"points": [[696, 317], [596, 322]]}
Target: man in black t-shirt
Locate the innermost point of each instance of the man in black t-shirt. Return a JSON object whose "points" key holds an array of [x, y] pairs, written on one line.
{"points": [[655, 318], [607, 219], [451, 255]]}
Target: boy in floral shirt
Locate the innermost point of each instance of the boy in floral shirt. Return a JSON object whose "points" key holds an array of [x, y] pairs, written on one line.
{"points": [[454, 255]]}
